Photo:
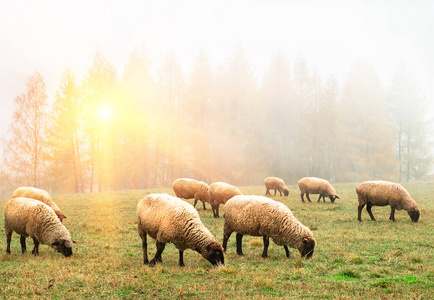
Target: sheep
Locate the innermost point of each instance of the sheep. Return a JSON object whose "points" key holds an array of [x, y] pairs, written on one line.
{"points": [[190, 188], [313, 185], [168, 219], [41, 195], [382, 193], [276, 184], [219, 193], [30, 217], [261, 216]]}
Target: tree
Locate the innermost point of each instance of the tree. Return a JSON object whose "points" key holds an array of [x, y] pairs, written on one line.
{"points": [[279, 114], [407, 111], [26, 147], [367, 146], [197, 105], [172, 90], [65, 136], [330, 117], [236, 103], [98, 96]]}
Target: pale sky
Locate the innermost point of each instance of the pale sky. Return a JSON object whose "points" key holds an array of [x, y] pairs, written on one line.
{"points": [[49, 36]]}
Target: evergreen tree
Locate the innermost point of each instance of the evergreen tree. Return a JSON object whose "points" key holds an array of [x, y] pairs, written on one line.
{"points": [[407, 111], [366, 148], [65, 135], [99, 94]]}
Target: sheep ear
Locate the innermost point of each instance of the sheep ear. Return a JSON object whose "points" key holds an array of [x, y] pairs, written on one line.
{"points": [[337, 197], [74, 241], [57, 243]]}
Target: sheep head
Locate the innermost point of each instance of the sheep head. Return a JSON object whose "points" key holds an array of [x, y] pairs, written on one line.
{"points": [[286, 192], [333, 198], [63, 246], [214, 254], [306, 247], [414, 215]]}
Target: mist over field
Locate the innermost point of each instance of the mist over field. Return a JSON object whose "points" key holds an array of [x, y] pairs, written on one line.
{"points": [[127, 95]]}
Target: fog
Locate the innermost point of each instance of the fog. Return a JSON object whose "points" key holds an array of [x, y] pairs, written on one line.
{"points": [[330, 42]]}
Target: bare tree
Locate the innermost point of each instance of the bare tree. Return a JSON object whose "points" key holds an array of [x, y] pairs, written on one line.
{"points": [[24, 151]]}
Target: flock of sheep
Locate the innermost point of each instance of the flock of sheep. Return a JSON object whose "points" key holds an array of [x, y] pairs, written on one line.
{"points": [[168, 219]]}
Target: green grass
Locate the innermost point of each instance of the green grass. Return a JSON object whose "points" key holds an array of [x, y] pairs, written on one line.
{"points": [[367, 260]]}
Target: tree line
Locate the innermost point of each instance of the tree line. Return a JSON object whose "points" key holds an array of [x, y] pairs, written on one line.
{"points": [[110, 131]]}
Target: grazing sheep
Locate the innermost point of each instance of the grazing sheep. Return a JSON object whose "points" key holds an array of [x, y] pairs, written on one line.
{"points": [[261, 216], [276, 184], [313, 185], [168, 219], [190, 188], [219, 193], [382, 193], [41, 195], [30, 217]]}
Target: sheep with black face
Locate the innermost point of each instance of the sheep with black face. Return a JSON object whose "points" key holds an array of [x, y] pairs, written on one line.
{"points": [[168, 219], [313, 185], [261, 216], [30, 217], [276, 184], [382, 193]]}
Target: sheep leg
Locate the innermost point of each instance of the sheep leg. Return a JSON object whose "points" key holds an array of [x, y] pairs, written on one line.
{"points": [[204, 208], [23, 244], [225, 240], [287, 251], [319, 199], [359, 215], [307, 196], [8, 241], [368, 209], [181, 258], [145, 248], [302, 198], [239, 237], [275, 192], [35, 250], [215, 211], [267, 192], [266, 244], [195, 202], [392, 215], [280, 192], [157, 257]]}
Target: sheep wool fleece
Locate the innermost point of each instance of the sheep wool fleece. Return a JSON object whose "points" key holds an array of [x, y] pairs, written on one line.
{"points": [[30, 217], [168, 219], [259, 216]]}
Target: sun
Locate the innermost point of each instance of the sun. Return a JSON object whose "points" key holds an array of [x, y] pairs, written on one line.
{"points": [[105, 112]]}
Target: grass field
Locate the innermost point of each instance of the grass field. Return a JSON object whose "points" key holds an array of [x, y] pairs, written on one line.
{"points": [[367, 260]]}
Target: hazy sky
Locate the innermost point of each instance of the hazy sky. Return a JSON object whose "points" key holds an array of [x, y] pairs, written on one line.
{"points": [[49, 36]]}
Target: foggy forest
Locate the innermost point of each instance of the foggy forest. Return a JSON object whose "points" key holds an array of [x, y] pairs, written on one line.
{"points": [[132, 129]]}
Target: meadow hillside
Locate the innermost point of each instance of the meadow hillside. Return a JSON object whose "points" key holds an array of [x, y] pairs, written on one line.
{"points": [[352, 260]]}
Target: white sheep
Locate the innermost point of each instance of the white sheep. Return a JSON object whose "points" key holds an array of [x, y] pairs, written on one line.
{"points": [[276, 184], [41, 195], [313, 185], [168, 219], [30, 217], [382, 193], [186, 188], [219, 193], [261, 216]]}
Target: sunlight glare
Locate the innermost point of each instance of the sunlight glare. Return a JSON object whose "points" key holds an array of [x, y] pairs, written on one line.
{"points": [[105, 112]]}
